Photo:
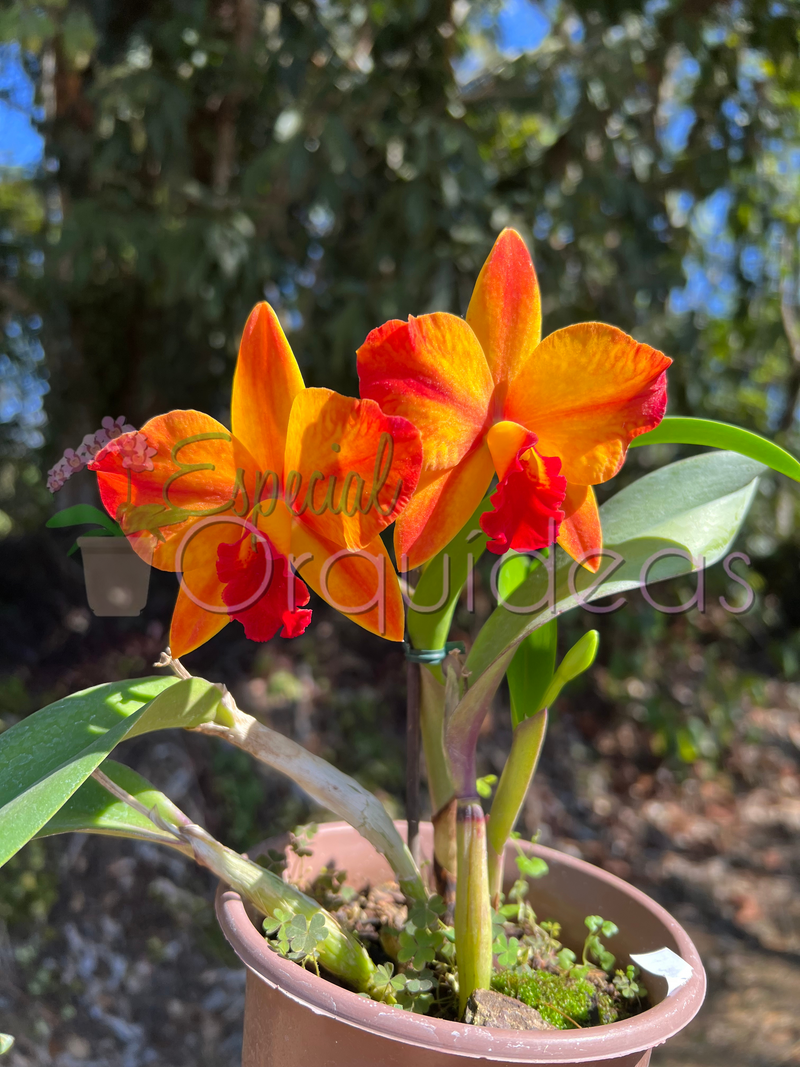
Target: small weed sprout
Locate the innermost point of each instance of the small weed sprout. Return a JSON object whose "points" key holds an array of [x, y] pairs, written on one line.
{"points": [[294, 937]]}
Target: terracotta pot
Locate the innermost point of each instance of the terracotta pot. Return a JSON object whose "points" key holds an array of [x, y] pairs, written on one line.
{"points": [[295, 1019], [117, 580]]}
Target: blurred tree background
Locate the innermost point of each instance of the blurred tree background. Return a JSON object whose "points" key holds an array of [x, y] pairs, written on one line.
{"points": [[165, 165]]}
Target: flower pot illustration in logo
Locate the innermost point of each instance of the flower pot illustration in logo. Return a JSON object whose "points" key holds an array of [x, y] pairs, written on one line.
{"points": [[116, 578]]}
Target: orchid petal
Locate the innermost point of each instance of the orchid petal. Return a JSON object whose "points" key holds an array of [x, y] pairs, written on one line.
{"points": [[506, 440], [193, 474], [440, 509], [349, 468], [191, 624], [260, 591], [586, 392], [266, 381], [505, 311], [200, 610], [580, 534], [432, 371], [360, 584]]}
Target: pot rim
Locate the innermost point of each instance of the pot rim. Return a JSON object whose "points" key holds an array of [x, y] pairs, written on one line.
{"points": [[111, 543], [638, 1034]]}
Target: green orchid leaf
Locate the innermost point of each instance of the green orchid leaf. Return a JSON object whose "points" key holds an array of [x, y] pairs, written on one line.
{"points": [[697, 505], [673, 521], [47, 756], [83, 514], [679, 431], [92, 809], [520, 767], [531, 670], [184, 706]]}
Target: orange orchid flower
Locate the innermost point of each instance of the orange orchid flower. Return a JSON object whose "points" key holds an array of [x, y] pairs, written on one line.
{"points": [[550, 417], [305, 480]]}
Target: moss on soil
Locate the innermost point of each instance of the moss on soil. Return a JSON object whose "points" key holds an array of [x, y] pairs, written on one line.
{"points": [[560, 1000]]}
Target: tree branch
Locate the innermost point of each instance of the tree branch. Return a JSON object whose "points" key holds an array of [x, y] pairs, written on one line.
{"points": [[791, 327]]}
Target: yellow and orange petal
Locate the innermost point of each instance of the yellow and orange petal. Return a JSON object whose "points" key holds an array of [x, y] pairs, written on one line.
{"points": [[360, 584], [505, 311], [506, 440], [439, 510], [587, 391], [265, 384], [191, 625], [580, 534], [193, 473], [432, 371], [350, 468], [200, 612]]}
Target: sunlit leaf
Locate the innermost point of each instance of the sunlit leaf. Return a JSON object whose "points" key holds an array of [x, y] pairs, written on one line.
{"points": [[678, 431], [92, 809], [44, 758]]}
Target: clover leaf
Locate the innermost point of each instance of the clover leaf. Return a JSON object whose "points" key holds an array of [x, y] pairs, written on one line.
{"points": [[416, 993], [483, 786], [296, 937], [419, 946], [625, 982], [531, 866], [426, 912], [386, 984], [507, 950]]}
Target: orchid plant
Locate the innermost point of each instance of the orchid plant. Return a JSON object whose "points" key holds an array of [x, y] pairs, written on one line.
{"points": [[471, 435]]}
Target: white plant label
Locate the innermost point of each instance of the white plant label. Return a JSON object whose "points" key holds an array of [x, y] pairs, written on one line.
{"points": [[666, 964]]}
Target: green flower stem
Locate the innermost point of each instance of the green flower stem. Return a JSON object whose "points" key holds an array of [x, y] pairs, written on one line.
{"points": [[428, 621], [473, 917], [440, 784], [440, 584], [331, 788], [510, 796]]}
